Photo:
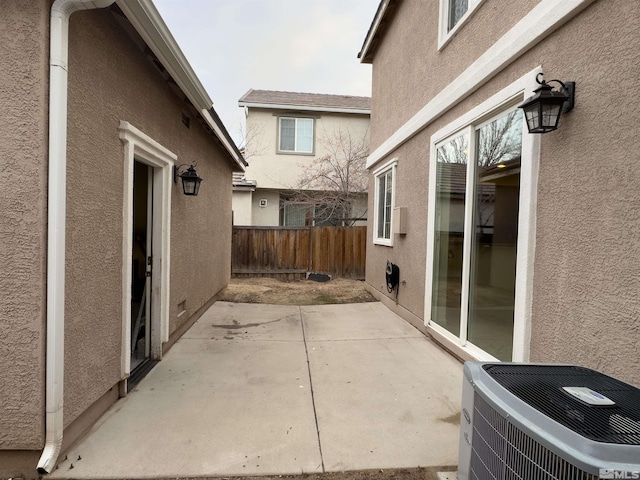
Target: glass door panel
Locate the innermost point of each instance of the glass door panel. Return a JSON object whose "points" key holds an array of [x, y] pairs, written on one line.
{"points": [[493, 249], [451, 184]]}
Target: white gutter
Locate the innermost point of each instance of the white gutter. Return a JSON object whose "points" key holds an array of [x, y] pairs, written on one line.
{"points": [[373, 30], [58, 57], [309, 108]]}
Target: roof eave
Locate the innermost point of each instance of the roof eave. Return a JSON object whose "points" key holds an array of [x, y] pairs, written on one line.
{"points": [[375, 30], [145, 18], [308, 108]]}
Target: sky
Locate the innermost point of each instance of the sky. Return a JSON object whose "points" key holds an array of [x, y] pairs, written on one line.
{"points": [[290, 45]]}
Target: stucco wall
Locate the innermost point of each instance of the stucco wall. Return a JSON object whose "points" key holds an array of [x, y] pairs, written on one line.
{"points": [[408, 251], [586, 305], [268, 216], [410, 70], [110, 79], [242, 207], [585, 298], [23, 180], [273, 170]]}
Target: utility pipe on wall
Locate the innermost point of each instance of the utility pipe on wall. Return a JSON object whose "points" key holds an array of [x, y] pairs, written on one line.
{"points": [[58, 68]]}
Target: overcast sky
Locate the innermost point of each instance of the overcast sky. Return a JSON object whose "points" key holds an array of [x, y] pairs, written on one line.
{"points": [[290, 45]]}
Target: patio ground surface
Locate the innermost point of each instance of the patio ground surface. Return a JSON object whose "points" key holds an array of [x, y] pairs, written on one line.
{"points": [[257, 389]]}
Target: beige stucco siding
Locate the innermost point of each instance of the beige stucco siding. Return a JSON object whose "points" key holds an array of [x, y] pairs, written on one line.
{"points": [[269, 215], [111, 80], [410, 70], [241, 202], [23, 179], [408, 251], [283, 170], [586, 306]]}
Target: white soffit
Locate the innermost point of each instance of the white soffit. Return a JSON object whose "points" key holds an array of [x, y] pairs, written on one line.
{"points": [[537, 24]]}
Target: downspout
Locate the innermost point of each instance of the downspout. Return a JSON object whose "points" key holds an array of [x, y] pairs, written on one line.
{"points": [[58, 56]]}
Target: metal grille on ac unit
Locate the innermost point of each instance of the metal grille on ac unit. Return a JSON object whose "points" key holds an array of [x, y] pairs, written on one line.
{"points": [[547, 422]]}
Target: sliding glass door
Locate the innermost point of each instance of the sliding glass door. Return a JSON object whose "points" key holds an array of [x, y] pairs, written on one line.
{"points": [[475, 235]]}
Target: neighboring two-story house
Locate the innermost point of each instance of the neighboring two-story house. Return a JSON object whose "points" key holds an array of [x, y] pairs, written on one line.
{"points": [[106, 261], [510, 245], [306, 155]]}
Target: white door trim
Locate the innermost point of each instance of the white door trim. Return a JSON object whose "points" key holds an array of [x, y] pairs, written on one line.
{"points": [[138, 146]]}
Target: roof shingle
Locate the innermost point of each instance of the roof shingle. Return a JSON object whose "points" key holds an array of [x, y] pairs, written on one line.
{"points": [[315, 100]]}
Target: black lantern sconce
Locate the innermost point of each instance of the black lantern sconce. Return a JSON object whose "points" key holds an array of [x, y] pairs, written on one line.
{"points": [[542, 110], [190, 179]]}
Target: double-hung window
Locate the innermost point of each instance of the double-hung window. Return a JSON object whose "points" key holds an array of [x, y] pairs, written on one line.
{"points": [[295, 135], [384, 202]]}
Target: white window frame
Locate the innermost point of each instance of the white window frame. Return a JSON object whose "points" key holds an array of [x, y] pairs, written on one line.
{"points": [[498, 103], [391, 165], [443, 35], [295, 136]]}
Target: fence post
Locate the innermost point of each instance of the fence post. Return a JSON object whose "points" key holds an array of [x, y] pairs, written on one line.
{"points": [[310, 269]]}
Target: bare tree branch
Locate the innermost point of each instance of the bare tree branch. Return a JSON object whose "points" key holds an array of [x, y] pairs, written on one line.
{"points": [[331, 184]]}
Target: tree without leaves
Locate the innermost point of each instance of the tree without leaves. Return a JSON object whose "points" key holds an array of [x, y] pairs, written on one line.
{"points": [[250, 144], [498, 142], [330, 184], [501, 140]]}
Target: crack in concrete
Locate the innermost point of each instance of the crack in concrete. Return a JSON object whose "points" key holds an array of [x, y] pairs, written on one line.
{"points": [[313, 398]]}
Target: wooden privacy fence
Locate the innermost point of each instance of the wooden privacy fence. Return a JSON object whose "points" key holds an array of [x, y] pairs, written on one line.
{"points": [[291, 252]]}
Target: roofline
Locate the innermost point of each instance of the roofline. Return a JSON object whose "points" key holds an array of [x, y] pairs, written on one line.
{"points": [[145, 18], [373, 31], [214, 121], [308, 108]]}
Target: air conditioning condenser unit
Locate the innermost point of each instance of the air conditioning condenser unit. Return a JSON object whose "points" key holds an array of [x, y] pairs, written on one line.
{"points": [[547, 422]]}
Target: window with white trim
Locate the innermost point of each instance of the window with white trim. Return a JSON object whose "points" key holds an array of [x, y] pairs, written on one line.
{"points": [[295, 135], [453, 14], [384, 202]]}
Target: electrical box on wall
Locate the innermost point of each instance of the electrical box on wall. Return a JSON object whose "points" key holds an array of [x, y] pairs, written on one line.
{"points": [[400, 220], [263, 202]]}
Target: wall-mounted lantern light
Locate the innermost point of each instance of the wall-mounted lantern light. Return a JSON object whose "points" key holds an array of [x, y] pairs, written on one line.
{"points": [[542, 110], [190, 179]]}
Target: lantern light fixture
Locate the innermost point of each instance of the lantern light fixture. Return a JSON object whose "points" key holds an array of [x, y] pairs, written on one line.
{"points": [[542, 110], [190, 179]]}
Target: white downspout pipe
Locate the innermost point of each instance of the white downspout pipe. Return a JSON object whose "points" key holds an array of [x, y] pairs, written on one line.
{"points": [[58, 57]]}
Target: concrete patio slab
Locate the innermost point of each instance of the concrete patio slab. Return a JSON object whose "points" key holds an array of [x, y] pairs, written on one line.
{"points": [[385, 396], [273, 390], [357, 321]]}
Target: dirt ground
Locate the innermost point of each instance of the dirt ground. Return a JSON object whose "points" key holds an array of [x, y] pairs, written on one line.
{"points": [[298, 292]]}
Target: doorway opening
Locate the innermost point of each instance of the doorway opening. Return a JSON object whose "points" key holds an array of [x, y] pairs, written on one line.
{"points": [[141, 357]]}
